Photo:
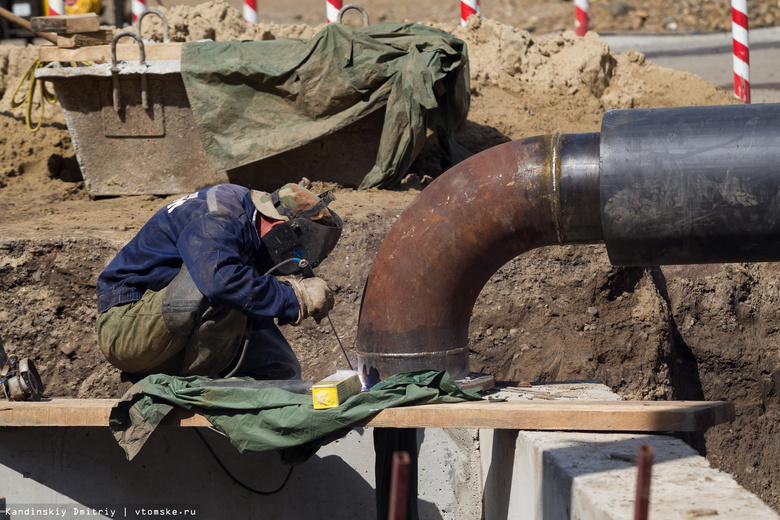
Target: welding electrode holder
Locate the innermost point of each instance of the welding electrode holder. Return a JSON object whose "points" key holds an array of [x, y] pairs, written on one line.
{"points": [[306, 269]]}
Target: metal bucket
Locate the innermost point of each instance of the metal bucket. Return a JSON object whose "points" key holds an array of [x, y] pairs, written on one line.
{"points": [[128, 146]]}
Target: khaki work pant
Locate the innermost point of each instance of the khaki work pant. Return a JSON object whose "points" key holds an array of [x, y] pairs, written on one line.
{"points": [[134, 338]]}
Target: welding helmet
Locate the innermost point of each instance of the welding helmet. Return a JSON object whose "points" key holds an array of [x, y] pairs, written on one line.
{"points": [[309, 230]]}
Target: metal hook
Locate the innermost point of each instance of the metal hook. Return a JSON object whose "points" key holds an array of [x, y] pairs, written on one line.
{"points": [[166, 33], [115, 68], [357, 8]]}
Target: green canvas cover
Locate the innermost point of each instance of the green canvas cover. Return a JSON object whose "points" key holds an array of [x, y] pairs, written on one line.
{"points": [[254, 99], [258, 420]]}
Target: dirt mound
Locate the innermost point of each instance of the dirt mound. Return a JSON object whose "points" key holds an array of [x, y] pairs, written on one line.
{"points": [[219, 22], [523, 85], [556, 313], [14, 62]]}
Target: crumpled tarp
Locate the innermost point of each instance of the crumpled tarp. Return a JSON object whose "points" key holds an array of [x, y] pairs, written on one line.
{"points": [[255, 99], [258, 420]]}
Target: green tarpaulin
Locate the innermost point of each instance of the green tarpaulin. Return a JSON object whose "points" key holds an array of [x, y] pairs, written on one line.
{"points": [[254, 99], [269, 419]]}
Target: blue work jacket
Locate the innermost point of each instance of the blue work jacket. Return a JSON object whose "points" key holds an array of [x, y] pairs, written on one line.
{"points": [[213, 233]]}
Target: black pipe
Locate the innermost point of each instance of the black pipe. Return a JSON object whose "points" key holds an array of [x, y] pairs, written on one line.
{"points": [[691, 185]]}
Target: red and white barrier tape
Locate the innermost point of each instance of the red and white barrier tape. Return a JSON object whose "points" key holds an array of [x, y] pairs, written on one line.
{"points": [[580, 17], [739, 35], [467, 8], [56, 7], [250, 11], [332, 8], [137, 7]]}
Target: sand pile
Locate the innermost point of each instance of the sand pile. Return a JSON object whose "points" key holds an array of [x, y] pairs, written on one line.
{"points": [[14, 62], [525, 85], [219, 22], [20, 150]]}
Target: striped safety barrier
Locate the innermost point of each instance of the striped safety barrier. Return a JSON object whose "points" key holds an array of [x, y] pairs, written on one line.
{"points": [[250, 11], [56, 7], [739, 36], [332, 8], [137, 7], [580, 17], [467, 8]]}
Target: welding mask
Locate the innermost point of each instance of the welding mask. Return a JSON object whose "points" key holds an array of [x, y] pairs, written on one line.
{"points": [[309, 231]]}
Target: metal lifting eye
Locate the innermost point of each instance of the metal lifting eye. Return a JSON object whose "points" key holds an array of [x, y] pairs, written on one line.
{"points": [[355, 7], [166, 33], [115, 69]]}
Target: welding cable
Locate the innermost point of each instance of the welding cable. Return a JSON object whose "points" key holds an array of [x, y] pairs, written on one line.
{"points": [[28, 97], [233, 478], [245, 347]]}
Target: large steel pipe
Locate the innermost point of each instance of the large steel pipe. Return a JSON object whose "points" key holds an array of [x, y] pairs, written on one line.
{"points": [[682, 185]]}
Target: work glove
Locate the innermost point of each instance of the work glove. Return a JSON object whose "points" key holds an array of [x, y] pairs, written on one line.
{"points": [[315, 298]]}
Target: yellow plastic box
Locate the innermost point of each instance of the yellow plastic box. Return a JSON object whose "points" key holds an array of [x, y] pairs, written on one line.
{"points": [[335, 389]]}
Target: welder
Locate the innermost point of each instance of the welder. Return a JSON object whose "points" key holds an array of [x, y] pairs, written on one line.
{"points": [[202, 286]]}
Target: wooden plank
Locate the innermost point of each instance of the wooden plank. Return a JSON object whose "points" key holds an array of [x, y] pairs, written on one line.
{"points": [[77, 412], [102, 53], [555, 415], [74, 41], [66, 24], [563, 415]]}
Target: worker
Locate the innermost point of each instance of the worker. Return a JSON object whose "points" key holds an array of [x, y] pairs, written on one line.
{"points": [[195, 292]]}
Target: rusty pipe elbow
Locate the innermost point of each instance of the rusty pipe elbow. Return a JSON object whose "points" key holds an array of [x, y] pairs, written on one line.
{"points": [[457, 233]]}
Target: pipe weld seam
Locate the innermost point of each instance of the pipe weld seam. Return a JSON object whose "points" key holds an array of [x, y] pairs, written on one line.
{"points": [[437, 353], [555, 175]]}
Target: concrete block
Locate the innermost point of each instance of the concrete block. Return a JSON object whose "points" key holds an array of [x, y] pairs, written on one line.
{"points": [[591, 476]]}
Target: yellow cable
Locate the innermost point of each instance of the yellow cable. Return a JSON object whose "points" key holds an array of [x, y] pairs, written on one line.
{"points": [[28, 98]]}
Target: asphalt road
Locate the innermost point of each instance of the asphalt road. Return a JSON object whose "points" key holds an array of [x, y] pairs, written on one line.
{"points": [[710, 56]]}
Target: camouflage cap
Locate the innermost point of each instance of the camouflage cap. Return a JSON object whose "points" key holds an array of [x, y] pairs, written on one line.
{"points": [[292, 198]]}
